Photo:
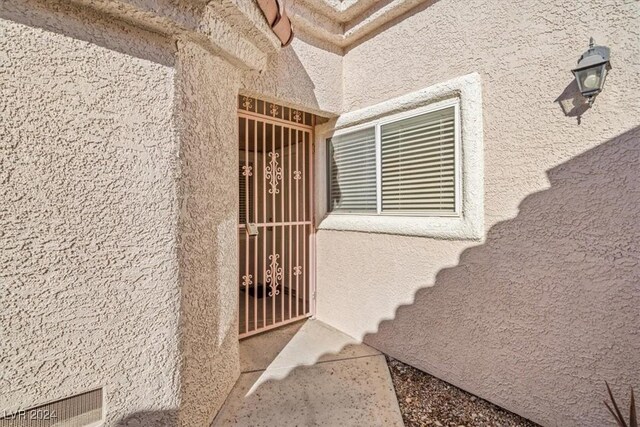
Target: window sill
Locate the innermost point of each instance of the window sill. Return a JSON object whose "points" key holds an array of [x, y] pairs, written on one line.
{"points": [[446, 228]]}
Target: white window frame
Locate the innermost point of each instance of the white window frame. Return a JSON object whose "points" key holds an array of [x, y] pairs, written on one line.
{"points": [[467, 223], [377, 125]]}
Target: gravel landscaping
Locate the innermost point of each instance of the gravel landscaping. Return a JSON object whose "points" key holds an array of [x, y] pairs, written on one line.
{"points": [[427, 401]]}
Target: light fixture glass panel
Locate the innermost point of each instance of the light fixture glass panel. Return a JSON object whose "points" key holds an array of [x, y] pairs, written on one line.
{"points": [[590, 80]]}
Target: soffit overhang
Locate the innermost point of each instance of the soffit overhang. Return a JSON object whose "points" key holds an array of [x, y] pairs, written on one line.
{"points": [[233, 29], [344, 23], [238, 31]]}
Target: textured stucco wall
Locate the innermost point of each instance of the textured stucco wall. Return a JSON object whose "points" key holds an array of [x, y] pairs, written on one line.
{"points": [[540, 313], [88, 214], [206, 109], [302, 75], [118, 236], [207, 90], [119, 239]]}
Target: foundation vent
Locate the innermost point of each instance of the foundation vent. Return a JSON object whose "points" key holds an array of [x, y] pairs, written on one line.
{"points": [[81, 410]]}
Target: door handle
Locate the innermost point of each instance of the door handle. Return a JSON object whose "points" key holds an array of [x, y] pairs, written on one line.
{"points": [[252, 229]]}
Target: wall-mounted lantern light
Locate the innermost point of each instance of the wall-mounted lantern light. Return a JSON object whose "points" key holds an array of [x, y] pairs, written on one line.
{"points": [[592, 70]]}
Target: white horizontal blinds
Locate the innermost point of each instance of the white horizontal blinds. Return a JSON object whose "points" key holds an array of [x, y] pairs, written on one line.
{"points": [[352, 172], [418, 163]]}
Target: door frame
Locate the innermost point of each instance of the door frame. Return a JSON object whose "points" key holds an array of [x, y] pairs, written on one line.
{"points": [[249, 109]]}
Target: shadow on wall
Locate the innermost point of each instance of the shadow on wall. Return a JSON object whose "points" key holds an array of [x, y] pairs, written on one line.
{"points": [[571, 101], [381, 29], [81, 23], [546, 309], [274, 83], [541, 314]]}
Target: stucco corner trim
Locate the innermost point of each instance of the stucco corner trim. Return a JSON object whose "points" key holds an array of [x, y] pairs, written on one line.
{"points": [[469, 225]]}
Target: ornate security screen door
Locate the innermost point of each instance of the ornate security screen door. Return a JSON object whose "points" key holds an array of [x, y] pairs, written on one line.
{"points": [[275, 227]]}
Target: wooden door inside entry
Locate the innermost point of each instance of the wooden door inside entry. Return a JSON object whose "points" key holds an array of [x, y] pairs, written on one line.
{"points": [[275, 224]]}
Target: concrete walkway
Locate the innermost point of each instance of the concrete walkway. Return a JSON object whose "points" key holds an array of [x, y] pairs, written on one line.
{"points": [[309, 374]]}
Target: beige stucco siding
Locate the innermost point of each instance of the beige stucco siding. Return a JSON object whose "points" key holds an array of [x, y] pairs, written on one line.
{"points": [[541, 312], [302, 75], [88, 215], [119, 239], [119, 217], [207, 251], [118, 213]]}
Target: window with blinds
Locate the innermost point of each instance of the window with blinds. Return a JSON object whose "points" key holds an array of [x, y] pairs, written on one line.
{"points": [[401, 165], [418, 163], [352, 172]]}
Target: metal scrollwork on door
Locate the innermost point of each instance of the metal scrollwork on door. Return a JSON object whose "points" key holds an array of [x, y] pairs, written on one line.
{"points": [[247, 102], [273, 173], [246, 280], [274, 201], [274, 275]]}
